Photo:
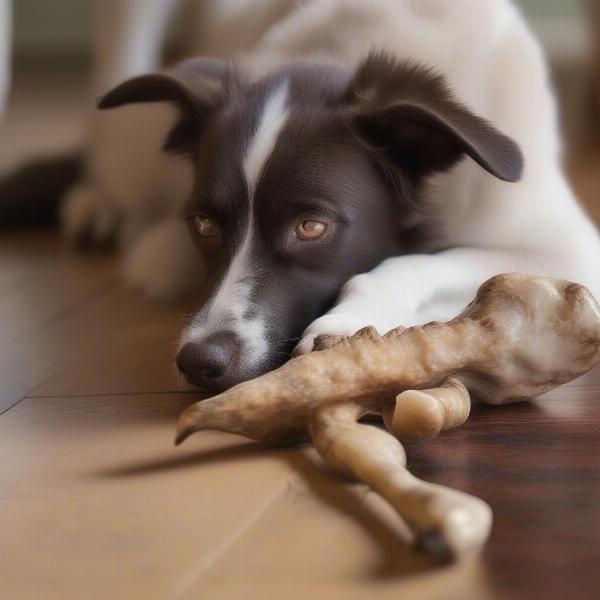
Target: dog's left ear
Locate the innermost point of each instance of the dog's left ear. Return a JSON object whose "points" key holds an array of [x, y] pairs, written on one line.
{"points": [[407, 115], [194, 86]]}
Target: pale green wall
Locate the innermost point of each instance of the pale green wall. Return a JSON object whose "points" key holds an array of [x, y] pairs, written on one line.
{"points": [[552, 8], [62, 28], [52, 29]]}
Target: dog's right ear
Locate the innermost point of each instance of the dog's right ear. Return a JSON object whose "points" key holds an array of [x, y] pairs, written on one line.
{"points": [[407, 115], [194, 86]]}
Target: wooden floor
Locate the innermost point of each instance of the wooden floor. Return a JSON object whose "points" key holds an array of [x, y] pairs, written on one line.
{"points": [[95, 502]]}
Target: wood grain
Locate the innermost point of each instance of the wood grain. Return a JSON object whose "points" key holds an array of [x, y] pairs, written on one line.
{"points": [[538, 465], [94, 497], [42, 283], [95, 502]]}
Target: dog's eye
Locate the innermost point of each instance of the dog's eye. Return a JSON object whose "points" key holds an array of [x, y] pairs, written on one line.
{"points": [[311, 229], [205, 226]]}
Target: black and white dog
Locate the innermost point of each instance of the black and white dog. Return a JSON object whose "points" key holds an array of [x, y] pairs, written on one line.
{"points": [[365, 163]]}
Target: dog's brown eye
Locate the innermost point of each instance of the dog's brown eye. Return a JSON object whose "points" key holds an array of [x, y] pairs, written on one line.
{"points": [[311, 230], [205, 227]]}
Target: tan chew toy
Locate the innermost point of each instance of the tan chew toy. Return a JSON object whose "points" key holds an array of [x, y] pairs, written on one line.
{"points": [[418, 414], [423, 414], [520, 337], [445, 522]]}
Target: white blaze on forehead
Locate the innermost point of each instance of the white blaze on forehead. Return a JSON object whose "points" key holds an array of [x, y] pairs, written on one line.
{"points": [[260, 148], [228, 308]]}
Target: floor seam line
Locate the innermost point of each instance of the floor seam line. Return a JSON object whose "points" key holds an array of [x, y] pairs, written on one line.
{"points": [[100, 289], [185, 583], [110, 395]]}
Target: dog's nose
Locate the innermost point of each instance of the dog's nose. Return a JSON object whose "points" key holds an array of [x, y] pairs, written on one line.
{"points": [[211, 363]]}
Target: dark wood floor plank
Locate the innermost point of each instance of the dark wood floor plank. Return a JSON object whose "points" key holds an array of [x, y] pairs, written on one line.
{"points": [[42, 278], [42, 282], [71, 327], [538, 465], [129, 347]]}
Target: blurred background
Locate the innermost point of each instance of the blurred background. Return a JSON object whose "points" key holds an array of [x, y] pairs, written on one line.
{"points": [[55, 36], [52, 51], [59, 31]]}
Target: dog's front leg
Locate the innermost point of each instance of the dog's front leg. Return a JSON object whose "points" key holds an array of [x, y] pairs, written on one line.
{"points": [[414, 289]]}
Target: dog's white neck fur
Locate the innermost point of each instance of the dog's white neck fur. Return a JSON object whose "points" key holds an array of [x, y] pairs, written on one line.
{"points": [[232, 300], [260, 148]]}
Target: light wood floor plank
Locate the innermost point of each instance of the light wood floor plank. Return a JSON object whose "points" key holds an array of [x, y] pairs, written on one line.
{"points": [[95, 501]]}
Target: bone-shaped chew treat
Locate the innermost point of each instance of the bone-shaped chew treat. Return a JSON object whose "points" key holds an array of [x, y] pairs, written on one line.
{"points": [[423, 414], [445, 522], [520, 337], [418, 414]]}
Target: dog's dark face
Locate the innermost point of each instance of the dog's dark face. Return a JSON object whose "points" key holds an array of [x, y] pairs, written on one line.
{"points": [[302, 180]]}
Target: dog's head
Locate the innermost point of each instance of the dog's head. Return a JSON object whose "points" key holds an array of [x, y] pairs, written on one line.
{"points": [[302, 179]]}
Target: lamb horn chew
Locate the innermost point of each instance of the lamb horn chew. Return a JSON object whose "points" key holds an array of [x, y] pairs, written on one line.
{"points": [[445, 522], [423, 414], [520, 337]]}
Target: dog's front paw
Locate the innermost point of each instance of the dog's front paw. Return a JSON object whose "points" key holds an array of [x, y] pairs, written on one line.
{"points": [[87, 217], [327, 331]]}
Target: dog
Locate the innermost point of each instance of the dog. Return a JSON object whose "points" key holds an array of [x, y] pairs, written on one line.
{"points": [[361, 163]]}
